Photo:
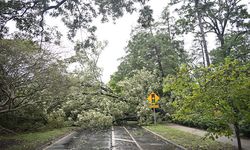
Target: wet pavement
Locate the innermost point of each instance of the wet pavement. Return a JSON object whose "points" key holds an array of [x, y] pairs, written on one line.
{"points": [[149, 141], [99, 140], [116, 138]]}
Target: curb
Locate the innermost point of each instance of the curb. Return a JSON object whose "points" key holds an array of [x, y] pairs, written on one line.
{"points": [[181, 147], [57, 140]]}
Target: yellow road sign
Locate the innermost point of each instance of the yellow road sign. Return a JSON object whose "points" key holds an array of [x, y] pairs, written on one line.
{"points": [[154, 106], [153, 98]]}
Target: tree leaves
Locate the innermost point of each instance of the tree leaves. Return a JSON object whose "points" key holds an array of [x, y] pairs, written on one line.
{"points": [[217, 94]]}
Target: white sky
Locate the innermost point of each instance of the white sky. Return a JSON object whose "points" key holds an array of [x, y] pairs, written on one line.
{"points": [[118, 35]]}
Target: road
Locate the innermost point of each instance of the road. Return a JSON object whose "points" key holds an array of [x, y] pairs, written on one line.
{"points": [[116, 138]]}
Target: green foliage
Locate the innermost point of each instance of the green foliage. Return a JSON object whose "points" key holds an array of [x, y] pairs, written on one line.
{"points": [[30, 77], [136, 90], [145, 115], [118, 109], [56, 119], [145, 50], [33, 140], [238, 47], [93, 120], [36, 91], [31, 17], [149, 58], [146, 17], [26, 73], [217, 95], [27, 119]]}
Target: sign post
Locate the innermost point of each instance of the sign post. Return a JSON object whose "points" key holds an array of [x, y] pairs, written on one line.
{"points": [[153, 103], [154, 117]]}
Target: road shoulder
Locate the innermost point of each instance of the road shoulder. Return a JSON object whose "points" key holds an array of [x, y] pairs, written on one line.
{"points": [[232, 140], [179, 146]]}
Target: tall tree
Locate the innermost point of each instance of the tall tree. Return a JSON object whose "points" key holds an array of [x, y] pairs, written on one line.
{"points": [[146, 20], [226, 17], [238, 45], [141, 53], [221, 17], [24, 73], [203, 41], [217, 94]]}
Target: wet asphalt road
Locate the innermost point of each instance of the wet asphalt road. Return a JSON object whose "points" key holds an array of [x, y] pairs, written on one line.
{"points": [[116, 138]]}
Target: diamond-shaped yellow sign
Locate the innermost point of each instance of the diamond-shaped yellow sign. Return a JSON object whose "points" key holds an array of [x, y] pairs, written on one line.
{"points": [[153, 98]]}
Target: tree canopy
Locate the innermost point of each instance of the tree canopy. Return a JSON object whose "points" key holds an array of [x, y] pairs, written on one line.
{"points": [[209, 90]]}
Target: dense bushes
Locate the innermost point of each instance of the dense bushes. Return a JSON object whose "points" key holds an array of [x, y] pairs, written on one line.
{"points": [[23, 120], [198, 123]]}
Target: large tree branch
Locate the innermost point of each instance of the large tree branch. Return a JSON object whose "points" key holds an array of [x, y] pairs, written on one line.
{"points": [[5, 103], [210, 25], [5, 91], [229, 12], [13, 109], [18, 15], [104, 91], [19, 107], [213, 19], [101, 93], [53, 7]]}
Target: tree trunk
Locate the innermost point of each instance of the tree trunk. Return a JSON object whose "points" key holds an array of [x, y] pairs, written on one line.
{"points": [[203, 55], [158, 55], [204, 42], [159, 63], [168, 26], [237, 133]]}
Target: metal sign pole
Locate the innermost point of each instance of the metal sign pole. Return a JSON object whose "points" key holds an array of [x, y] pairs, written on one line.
{"points": [[154, 117], [153, 103]]}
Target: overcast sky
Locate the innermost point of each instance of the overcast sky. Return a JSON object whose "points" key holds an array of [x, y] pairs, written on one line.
{"points": [[117, 36]]}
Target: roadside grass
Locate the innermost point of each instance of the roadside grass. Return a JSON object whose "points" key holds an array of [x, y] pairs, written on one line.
{"points": [[34, 140], [188, 140]]}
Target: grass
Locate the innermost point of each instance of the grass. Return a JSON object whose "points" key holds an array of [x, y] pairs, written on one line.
{"points": [[30, 141], [188, 140]]}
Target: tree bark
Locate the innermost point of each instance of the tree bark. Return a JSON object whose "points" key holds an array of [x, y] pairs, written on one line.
{"points": [[203, 54], [157, 51], [158, 61], [237, 133], [204, 42]]}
